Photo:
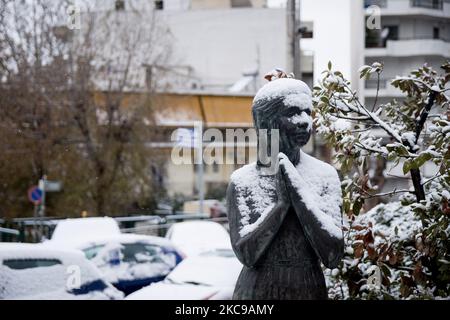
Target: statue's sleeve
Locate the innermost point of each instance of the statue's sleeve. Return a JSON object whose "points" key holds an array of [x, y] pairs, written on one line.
{"points": [[250, 247], [319, 215]]}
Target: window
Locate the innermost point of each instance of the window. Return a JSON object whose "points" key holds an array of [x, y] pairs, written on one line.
{"points": [[132, 253], [120, 5], [389, 33], [372, 38], [159, 4], [92, 252], [436, 33], [379, 3], [428, 4], [240, 3], [19, 264], [306, 30], [141, 252]]}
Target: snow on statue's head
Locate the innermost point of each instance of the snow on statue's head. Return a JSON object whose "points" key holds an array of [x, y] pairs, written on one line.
{"points": [[285, 104]]}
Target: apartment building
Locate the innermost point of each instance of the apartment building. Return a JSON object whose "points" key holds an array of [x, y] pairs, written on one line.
{"points": [[413, 32]]}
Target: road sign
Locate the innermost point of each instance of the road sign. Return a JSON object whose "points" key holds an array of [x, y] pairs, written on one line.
{"points": [[35, 194], [52, 186]]}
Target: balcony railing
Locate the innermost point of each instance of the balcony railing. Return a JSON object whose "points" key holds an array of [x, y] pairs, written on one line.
{"points": [[428, 4], [373, 42]]}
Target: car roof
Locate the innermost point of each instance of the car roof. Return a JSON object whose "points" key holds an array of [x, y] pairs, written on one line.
{"points": [[38, 251], [71, 230], [193, 237]]}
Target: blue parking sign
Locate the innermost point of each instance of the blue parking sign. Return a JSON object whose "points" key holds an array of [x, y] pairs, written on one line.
{"points": [[35, 195]]}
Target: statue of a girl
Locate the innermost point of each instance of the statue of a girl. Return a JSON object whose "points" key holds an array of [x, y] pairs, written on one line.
{"points": [[284, 224]]}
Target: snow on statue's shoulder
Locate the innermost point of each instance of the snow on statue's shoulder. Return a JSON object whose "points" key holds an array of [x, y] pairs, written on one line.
{"points": [[295, 92], [241, 176], [315, 169], [255, 196], [320, 188]]}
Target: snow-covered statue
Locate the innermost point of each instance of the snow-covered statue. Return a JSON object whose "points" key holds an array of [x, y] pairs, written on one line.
{"points": [[284, 224]]}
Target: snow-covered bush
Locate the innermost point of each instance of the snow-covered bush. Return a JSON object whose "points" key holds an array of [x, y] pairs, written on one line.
{"points": [[402, 249]]}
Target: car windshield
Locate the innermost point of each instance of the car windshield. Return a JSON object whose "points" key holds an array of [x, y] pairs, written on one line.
{"points": [[19, 264]]}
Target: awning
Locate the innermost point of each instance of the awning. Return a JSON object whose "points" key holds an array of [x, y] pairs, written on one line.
{"points": [[177, 110], [227, 111], [180, 110]]}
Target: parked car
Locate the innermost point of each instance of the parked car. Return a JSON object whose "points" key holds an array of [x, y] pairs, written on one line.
{"points": [[129, 261], [73, 232], [211, 275], [195, 237], [215, 208], [32, 271]]}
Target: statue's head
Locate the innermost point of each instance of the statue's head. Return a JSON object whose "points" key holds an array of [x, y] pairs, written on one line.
{"points": [[285, 104]]}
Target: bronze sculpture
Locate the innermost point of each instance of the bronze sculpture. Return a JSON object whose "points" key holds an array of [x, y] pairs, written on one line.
{"points": [[282, 225]]}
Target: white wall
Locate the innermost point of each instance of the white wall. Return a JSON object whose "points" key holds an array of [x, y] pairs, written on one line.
{"points": [[221, 44], [338, 35]]}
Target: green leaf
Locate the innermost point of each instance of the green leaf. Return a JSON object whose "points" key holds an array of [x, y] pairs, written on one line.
{"points": [[407, 166], [364, 71], [357, 206], [399, 149], [329, 65], [421, 159], [324, 99]]}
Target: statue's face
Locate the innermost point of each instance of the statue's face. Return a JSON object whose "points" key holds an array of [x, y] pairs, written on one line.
{"points": [[295, 126]]}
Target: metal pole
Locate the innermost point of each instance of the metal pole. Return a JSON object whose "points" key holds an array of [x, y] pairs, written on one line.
{"points": [[293, 38], [198, 132], [298, 35], [41, 186], [290, 22]]}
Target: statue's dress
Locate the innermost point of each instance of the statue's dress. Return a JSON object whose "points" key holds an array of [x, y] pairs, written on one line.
{"points": [[281, 245], [289, 269]]}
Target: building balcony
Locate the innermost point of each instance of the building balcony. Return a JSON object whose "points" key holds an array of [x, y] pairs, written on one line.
{"points": [[428, 4], [409, 47], [431, 8]]}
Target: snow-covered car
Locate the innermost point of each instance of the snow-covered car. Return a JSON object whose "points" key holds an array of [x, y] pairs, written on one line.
{"points": [[129, 261], [195, 237], [35, 272], [208, 276], [73, 232]]}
